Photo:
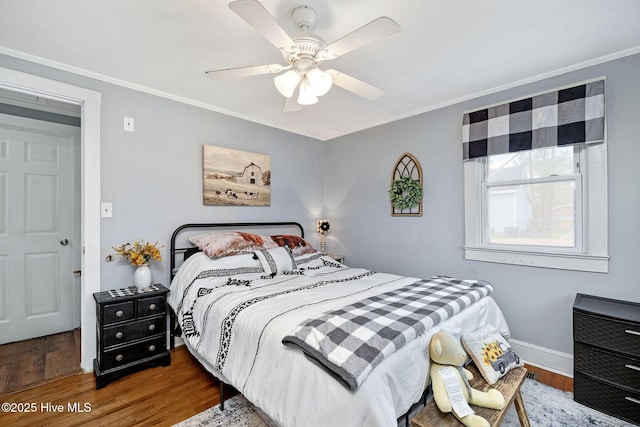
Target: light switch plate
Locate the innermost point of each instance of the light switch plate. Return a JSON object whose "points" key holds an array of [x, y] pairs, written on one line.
{"points": [[128, 124], [106, 210]]}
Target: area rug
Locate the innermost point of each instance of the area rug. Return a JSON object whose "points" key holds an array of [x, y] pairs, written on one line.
{"points": [[546, 407], [549, 407], [238, 412]]}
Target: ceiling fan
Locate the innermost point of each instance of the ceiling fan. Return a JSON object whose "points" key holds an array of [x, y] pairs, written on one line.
{"points": [[304, 53]]}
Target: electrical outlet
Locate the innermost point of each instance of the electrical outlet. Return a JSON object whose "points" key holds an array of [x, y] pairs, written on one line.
{"points": [[128, 124]]}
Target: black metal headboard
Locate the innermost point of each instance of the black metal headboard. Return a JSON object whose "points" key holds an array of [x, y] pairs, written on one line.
{"points": [[188, 251]]}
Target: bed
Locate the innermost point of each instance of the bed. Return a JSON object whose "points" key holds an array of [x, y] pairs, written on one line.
{"points": [[254, 320]]}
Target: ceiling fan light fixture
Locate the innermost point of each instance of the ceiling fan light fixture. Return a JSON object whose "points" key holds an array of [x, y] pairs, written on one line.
{"points": [[320, 81], [306, 95], [286, 83], [303, 53]]}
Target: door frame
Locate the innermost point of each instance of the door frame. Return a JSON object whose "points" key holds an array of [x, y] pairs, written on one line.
{"points": [[90, 103]]}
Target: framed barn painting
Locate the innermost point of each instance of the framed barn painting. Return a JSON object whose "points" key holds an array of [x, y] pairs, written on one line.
{"points": [[235, 178]]}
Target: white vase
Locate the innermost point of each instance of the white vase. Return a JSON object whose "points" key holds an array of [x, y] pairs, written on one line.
{"points": [[142, 277]]}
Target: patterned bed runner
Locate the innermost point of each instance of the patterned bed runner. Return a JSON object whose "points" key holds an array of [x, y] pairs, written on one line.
{"points": [[351, 341]]}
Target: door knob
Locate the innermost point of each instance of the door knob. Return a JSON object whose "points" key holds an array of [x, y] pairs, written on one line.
{"points": [[64, 242]]}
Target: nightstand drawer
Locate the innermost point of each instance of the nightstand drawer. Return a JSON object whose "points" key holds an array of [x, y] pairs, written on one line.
{"points": [[151, 306], [120, 356], [121, 334], [611, 367], [607, 333], [118, 312], [614, 401]]}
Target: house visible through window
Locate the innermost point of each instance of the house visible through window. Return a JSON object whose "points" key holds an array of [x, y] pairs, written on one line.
{"points": [[533, 198]]}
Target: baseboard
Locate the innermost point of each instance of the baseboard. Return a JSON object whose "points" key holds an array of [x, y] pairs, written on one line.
{"points": [[545, 358]]}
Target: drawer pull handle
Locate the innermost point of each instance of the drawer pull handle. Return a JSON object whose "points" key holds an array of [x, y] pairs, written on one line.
{"points": [[632, 332], [631, 399], [119, 334], [637, 368], [119, 358], [152, 347], [153, 307], [119, 313], [152, 327]]}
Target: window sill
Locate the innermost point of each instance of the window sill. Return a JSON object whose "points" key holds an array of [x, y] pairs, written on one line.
{"points": [[563, 261]]}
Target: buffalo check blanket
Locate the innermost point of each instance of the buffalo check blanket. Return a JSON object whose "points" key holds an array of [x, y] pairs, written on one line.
{"points": [[353, 340]]}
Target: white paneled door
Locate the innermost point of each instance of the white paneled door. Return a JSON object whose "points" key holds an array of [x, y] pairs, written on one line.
{"points": [[38, 238]]}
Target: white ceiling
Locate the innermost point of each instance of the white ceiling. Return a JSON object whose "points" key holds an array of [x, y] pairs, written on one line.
{"points": [[446, 51]]}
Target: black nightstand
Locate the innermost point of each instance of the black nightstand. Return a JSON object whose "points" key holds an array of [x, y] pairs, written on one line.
{"points": [[131, 332]]}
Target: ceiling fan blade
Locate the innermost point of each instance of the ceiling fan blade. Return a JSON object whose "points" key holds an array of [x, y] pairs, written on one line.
{"points": [[291, 104], [255, 70], [374, 30], [354, 85], [261, 20]]}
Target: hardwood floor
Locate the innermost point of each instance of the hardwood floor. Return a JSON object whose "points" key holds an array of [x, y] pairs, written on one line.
{"points": [[36, 361], [159, 396], [552, 379]]}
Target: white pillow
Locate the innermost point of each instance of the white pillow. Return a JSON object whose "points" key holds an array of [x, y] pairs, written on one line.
{"points": [[276, 261], [491, 353], [229, 262]]}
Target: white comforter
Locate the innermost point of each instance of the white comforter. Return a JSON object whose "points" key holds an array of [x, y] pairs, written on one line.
{"points": [[288, 387]]}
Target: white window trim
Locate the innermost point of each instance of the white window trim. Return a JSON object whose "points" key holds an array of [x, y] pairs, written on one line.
{"points": [[594, 256]]}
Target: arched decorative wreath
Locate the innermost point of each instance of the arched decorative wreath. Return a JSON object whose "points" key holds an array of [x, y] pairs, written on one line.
{"points": [[405, 193]]}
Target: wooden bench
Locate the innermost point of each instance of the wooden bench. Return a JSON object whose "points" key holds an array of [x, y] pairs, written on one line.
{"points": [[509, 386]]}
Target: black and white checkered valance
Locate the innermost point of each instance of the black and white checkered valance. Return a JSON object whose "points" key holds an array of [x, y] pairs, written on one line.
{"points": [[568, 116]]}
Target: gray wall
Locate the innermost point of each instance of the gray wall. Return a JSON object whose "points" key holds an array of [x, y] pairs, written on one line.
{"points": [[537, 302], [153, 176], [153, 179]]}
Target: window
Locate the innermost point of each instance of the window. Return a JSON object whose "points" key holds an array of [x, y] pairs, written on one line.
{"points": [[544, 207]]}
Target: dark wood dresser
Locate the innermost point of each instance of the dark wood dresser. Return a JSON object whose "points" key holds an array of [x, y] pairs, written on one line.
{"points": [[131, 331], [606, 335]]}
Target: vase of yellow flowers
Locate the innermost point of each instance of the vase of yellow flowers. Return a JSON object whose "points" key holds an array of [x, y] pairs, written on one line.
{"points": [[139, 254]]}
